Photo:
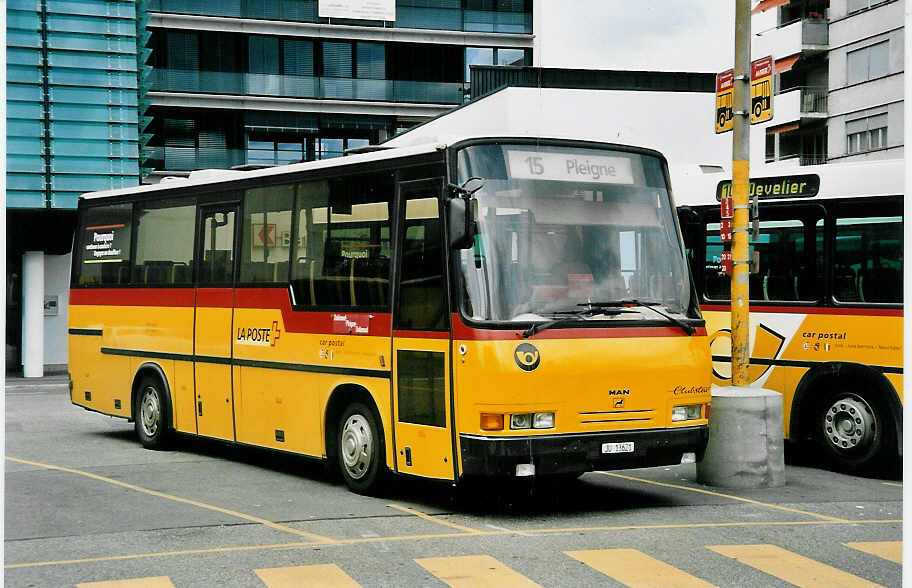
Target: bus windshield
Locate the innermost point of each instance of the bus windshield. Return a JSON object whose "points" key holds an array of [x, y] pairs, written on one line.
{"points": [[560, 227]]}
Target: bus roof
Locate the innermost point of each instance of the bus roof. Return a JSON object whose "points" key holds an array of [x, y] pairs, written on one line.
{"points": [[215, 176], [836, 180]]}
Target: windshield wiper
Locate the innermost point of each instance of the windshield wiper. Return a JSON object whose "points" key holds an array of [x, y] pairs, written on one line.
{"points": [[689, 329], [608, 309]]}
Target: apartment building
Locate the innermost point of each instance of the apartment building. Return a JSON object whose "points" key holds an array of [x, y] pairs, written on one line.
{"points": [[838, 79]]}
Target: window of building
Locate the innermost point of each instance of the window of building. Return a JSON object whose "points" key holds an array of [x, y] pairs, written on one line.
{"points": [[869, 256], [866, 134], [164, 243], [857, 5], [868, 63], [266, 234]]}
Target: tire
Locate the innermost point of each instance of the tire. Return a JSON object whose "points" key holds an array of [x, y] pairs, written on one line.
{"points": [[854, 429], [361, 450], [152, 414]]}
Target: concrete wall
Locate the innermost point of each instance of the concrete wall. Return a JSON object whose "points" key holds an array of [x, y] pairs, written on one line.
{"points": [[56, 283]]}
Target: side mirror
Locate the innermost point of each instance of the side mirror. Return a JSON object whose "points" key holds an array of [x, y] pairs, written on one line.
{"points": [[463, 213], [463, 217]]}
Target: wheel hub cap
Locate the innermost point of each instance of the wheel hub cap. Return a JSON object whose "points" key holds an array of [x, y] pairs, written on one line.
{"points": [[357, 446], [150, 412], [849, 423]]}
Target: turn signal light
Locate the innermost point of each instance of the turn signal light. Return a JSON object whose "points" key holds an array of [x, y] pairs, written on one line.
{"points": [[492, 421]]}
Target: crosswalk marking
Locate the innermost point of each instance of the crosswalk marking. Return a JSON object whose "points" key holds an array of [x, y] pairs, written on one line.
{"points": [[634, 568], [474, 570], [791, 567], [153, 582], [890, 550], [316, 576]]}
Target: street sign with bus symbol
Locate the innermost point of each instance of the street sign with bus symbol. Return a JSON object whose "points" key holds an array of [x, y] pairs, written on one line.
{"points": [[724, 98], [761, 90]]}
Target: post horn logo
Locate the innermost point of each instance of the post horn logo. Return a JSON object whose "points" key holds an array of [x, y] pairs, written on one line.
{"points": [[527, 357]]}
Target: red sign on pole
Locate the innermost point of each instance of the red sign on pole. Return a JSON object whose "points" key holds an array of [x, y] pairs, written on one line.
{"points": [[725, 230], [725, 266]]}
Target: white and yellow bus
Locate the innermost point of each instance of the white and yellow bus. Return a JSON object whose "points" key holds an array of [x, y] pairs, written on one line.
{"points": [[826, 302], [494, 306]]}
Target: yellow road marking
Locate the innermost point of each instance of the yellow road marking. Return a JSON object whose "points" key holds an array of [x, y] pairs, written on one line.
{"points": [[890, 550], [731, 496], [428, 517], [316, 576], [636, 569], [156, 582], [218, 509], [468, 571], [354, 541], [791, 567]]}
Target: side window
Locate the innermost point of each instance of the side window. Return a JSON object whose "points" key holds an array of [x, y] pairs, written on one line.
{"points": [[266, 234], [103, 250], [868, 259], [342, 253], [791, 268], [164, 243], [422, 303]]}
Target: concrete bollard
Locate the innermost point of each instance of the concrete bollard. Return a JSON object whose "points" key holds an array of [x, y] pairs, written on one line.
{"points": [[745, 448]]}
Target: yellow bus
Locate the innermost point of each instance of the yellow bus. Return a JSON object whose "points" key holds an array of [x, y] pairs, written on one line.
{"points": [[491, 307], [826, 322]]}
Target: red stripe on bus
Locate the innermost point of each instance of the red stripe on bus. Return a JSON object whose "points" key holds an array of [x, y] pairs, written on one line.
{"points": [[214, 297], [176, 297], [465, 332], [811, 310], [318, 322]]}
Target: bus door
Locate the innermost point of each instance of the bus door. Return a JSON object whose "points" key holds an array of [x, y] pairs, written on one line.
{"points": [[213, 325], [423, 435]]}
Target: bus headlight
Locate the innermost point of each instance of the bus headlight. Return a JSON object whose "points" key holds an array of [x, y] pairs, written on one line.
{"points": [[529, 420], [688, 412]]}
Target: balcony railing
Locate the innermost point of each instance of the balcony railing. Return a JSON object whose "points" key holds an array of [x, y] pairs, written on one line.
{"points": [[813, 98], [412, 17], [214, 82]]}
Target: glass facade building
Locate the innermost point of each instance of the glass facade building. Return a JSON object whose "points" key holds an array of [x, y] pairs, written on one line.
{"points": [[266, 82]]}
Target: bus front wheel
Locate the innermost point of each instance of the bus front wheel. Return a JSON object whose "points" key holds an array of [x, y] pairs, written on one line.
{"points": [[853, 429], [151, 418], [361, 449]]}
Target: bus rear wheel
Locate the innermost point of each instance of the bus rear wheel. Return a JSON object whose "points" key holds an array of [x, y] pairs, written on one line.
{"points": [[151, 418], [852, 428], [361, 450]]}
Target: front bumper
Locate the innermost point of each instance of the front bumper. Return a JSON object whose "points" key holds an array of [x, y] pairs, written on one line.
{"points": [[579, 452]]}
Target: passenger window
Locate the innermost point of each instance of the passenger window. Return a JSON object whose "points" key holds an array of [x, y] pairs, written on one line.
{"points": [[791, 268], [868, 259], [422, 303], [103, 252], [266, 237], [342, 254], [164, 243]]}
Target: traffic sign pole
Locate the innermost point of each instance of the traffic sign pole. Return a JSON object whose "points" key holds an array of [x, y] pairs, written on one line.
{"points": [[740, 295]]}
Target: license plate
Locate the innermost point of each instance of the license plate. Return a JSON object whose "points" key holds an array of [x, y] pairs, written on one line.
{"points": [[625, 447]]}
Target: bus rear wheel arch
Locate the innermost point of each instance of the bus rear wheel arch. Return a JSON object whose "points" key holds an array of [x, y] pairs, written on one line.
{"points": [[850, 414], [151, 409]]}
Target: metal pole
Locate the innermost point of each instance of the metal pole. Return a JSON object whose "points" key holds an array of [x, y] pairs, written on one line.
{"points": [[740, 308]]}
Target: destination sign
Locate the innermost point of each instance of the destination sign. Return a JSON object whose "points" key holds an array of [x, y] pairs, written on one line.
{"points": [[799, 186], [569, 167]]}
